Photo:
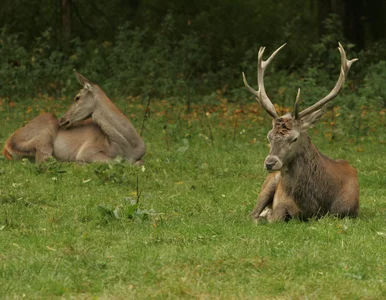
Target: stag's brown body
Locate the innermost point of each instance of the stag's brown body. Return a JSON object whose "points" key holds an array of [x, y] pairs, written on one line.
{"points": [[312, 185], [92, 130], [303, 182]]}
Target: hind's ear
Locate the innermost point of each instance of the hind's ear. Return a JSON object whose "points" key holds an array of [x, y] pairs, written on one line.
{"points": [[83, 81], [88, 86]]}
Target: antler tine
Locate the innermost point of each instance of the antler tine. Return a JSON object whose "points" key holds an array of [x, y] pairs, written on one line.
{"points": [[261, 95], [345, 67], [296, 107]]}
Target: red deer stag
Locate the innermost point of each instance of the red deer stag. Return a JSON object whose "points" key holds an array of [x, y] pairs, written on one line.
{"points": [[92, 130], [302, 183]]}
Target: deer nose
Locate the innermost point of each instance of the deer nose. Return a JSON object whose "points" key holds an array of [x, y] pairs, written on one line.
{"points": [[272, 162], [269, 165], [63, 122]]}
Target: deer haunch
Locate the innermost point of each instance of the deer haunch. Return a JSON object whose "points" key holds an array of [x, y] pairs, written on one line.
{"points": [[35, 140]]}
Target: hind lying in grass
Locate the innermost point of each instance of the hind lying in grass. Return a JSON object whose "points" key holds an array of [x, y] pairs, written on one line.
{"points": [[92, 130], [304, 183]]}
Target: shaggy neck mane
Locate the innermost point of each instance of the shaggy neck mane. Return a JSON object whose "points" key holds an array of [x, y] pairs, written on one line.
{"points": [[306, 179]]}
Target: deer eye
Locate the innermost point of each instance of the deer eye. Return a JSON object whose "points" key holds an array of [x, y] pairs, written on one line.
{"points": [[77, 98], [293, 140]]}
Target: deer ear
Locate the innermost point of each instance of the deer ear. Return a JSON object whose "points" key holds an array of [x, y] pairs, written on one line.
{"points": [[83, 80], [310, 120], [88, 87]]}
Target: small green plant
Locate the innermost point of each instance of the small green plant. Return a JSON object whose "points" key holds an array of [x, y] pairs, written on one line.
{"points": [[127, 209], [117, 172], [50, 166]]}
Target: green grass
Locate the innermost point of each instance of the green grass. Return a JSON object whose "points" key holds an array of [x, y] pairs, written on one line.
{"points": [[194, 238]]}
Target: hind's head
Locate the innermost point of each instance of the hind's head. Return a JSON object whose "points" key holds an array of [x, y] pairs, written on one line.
{"points": [[84, 103]]}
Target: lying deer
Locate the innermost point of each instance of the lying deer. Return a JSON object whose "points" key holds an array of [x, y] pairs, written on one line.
{"points": [[302, 183], [92, 130]]}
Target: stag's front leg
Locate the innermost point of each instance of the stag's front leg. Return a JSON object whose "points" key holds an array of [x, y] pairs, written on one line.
{"points": [[266, 196], [283, 206], [283, 212]]}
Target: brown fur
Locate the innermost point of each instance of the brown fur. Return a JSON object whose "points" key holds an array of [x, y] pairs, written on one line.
{"points": [[310, 185], [34, 140], [282, 126], [103, 137], [305, 184]]}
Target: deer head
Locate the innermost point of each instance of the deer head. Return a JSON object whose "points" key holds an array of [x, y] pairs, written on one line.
{"points": [[84, 103], [288, 135]]}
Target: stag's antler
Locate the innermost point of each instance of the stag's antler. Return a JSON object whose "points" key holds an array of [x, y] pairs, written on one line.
{"points": [[345, 67], [261, 95]]}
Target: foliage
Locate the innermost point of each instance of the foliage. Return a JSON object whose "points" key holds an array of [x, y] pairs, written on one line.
{"points": [[176, 60], [373, 85], [117, 172], [129, 209]]}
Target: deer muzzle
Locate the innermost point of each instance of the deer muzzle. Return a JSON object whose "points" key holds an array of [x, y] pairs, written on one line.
{"points": [[64, 122], [272, 163]]}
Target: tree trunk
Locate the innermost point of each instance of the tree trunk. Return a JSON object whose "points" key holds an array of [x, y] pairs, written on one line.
{"points": [[351, 13], [375, 18], [65, 9], [353, 22]]}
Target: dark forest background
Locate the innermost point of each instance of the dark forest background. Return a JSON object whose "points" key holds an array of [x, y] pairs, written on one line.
{"points": [[192, 51]]}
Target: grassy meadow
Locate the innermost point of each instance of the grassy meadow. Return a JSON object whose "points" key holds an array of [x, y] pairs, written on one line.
{"points": [[179, 227]]}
